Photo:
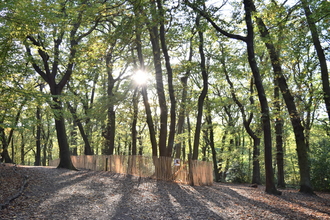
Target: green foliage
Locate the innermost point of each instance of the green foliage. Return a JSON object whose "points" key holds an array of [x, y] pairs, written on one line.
{"points": [[237, 173], [320, 165]]}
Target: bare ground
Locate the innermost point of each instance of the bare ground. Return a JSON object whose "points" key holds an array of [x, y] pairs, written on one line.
{"points": [[52, 193]]}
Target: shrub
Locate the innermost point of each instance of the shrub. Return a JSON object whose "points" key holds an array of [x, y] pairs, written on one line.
{"points": [[320, 165]]}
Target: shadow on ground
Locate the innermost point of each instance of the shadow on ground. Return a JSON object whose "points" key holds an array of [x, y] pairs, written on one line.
{"points": [[64, 194]]}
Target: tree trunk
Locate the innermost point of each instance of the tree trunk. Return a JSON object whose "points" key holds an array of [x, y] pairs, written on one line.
{"points": [[181, 116], [170, 142], [154, 38], [189, 137], [134, 122], [150, 123], [73, 137], [182, 110], [22, 149], [12, 149], [279, 138], [38, 138], [44, 155], [4, 155], [110, 131], [255, 161], [203, 93], [47, 145], [212, 145], [65, 159], [152, 132], [270, 186]]}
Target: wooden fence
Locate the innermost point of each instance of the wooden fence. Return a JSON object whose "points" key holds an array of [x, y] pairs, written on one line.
{"points": [[191, 172]]}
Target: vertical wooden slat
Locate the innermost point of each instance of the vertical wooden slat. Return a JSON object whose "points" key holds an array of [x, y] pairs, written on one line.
{"points": [[192, 172]]}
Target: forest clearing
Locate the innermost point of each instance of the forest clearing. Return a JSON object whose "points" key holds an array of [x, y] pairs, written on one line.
{"points": [[65, 194]]}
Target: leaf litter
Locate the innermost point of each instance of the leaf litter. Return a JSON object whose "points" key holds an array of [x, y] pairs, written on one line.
{"points": [[50, 193]]}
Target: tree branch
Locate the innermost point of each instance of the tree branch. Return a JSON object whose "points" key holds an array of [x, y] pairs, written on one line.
{"points": [[207, 17]]}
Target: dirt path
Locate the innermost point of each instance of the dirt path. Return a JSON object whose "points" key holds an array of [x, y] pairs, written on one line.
{"points": [[62, 194]]}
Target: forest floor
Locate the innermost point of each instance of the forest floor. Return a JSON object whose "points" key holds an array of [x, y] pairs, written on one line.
{"points": [[50, 193]]}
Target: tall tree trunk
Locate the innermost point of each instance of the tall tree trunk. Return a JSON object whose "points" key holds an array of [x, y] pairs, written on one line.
{"points": [[303, 160], [38, 138], [203, 94], [65, 159], [152, 133], [270, 185], [170, 142], [181, 116], [222, 168], [320, 54], [47, 144], [255, 161], [13, 149], [189, 138], [134, 121], [279, 138], [73, 137], [44, 155], [154, 38], [22, 149], [212, 145], [38, 134], [110, 131], [88, 129], [182, 110]]}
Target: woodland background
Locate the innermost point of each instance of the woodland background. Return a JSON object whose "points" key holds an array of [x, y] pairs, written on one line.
{"points": [[242, 84]]}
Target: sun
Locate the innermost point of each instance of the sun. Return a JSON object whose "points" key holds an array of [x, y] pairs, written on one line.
{"points": [[140, 77]]}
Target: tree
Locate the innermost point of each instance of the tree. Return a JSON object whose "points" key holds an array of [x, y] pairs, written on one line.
{"points": [[38, 134], [248, 39], [311, 20], [162, 36], [156, 50], [138, 10], [210, 140], [87, 149], [6, 140], [51, 58], [203, 94], [279, 136], [302, 150], [247, 125], [183, 101]]}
